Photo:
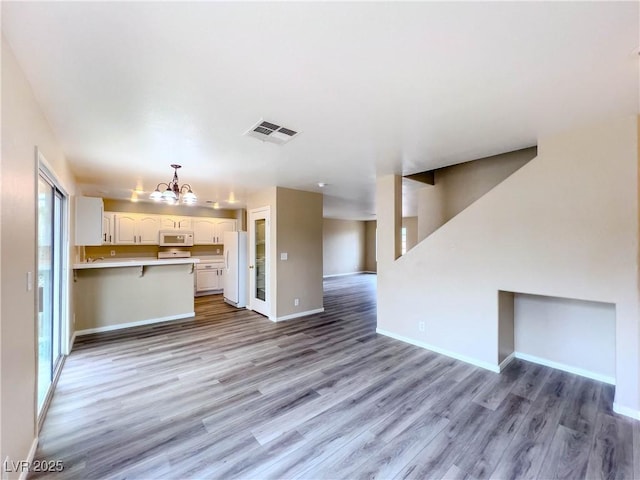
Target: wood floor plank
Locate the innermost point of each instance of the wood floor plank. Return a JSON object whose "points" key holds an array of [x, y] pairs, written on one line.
{"points": [[582, 406], [611, 455], [494, 393], [526, 453], [388, 461], [456, 473], [232, 395], [636, 449], [531, 382], [439, 455], [568, 455], [489, 445], [361, 446]]}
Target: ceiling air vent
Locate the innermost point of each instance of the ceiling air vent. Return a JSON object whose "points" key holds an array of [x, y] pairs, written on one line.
{"points": [[270, 132]]}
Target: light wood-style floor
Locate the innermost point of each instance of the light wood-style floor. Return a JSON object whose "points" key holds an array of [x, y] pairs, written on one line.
{"points": [[233, 395]]}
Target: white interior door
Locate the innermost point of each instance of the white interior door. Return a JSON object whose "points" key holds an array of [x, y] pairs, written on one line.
{"points": [[259, 261]]}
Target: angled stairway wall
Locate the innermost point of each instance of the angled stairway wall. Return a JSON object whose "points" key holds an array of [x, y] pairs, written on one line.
{"points": [[457, 186], [564, 225]]}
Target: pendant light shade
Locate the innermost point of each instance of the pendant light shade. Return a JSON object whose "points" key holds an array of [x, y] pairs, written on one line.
{"points": [[174, 192]]}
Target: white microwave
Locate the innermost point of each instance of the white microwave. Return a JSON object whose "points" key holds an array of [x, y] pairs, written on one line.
{"points": [[176, 238]]}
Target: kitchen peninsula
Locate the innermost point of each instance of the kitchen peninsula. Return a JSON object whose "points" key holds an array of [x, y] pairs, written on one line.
{"points": [[113, 294]]}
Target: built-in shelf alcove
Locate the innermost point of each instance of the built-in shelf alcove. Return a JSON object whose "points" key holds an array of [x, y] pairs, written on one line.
{"points": [[577, 336]]}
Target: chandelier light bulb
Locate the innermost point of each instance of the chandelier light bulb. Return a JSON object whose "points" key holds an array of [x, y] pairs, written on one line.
{"points": [[174, 192]]}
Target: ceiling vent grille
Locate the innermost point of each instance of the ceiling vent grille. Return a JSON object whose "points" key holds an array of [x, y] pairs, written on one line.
{"points": [[270, 132]]}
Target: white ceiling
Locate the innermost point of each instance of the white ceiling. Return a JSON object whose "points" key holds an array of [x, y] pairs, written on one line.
{"points": [[376, 88]]}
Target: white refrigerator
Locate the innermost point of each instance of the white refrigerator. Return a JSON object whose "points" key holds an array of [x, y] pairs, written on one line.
{"points": [[235, 265]]}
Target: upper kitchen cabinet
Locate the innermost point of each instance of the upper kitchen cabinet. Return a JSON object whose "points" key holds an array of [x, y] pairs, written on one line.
{"points": [[108, 234], [204, 230], [211, 230], [225, 225], [176, 223], [89, 211], [136, 228]]}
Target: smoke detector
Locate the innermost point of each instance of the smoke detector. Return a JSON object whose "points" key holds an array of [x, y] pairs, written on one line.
{"points": [[270, 132]]}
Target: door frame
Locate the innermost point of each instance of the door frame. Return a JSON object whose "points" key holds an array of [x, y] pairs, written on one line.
{"points": [[43, 169], [255, 304]]}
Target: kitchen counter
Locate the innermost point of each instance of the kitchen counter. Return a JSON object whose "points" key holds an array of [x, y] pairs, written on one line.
{"points": [[134, 262], [127, 292], [210, 258]]}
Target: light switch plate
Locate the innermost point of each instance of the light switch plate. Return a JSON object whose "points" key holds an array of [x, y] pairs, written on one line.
{"points": [[284, 256]]}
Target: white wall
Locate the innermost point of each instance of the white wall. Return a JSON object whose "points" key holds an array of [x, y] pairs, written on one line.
{"points": [[343, 246], [411, 224], [576, 335], [299, 235], [370, 264], [458, 186], [24, 127], [565, 225], [295, 229]]}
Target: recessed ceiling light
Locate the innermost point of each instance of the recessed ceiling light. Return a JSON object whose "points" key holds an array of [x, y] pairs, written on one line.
{"points": [[322, 184]]}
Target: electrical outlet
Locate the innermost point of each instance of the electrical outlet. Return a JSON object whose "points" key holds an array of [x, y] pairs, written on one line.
{"points": [[421, 326], [296, 302], [113, 253]]}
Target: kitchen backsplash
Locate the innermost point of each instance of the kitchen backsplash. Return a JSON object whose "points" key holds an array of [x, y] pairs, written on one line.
{"points": [[128, 251]]}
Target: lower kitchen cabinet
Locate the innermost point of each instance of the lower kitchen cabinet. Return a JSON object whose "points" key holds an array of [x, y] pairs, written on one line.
{"points": [[209, 277]]}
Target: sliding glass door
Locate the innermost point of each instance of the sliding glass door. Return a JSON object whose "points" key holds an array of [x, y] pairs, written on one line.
{"points": [[51, 217]]}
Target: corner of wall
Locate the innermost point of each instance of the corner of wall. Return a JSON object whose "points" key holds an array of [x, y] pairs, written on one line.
{"points": [[562, 225]]}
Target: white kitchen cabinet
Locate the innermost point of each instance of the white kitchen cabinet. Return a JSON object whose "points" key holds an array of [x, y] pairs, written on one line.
{"points": [[108, 235], [136, 228], [89, 211], [204, 230], [210, 231], [225, 225], [125, 228], [148, 229], [209, 277], [176, 223]]}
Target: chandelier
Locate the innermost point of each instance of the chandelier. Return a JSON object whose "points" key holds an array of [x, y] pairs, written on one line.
{"points": [[174, 191]]}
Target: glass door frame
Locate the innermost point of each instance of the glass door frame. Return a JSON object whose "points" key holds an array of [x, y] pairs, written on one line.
{"points": [[256, 304], [60, 278]]}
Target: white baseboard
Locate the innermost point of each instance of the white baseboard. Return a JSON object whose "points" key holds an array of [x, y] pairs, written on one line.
{"points": [[507, 361], [139, 323], [566, 368], [72, 341], [626, 411], [29, 459], [464, 358], [297, 315]]}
